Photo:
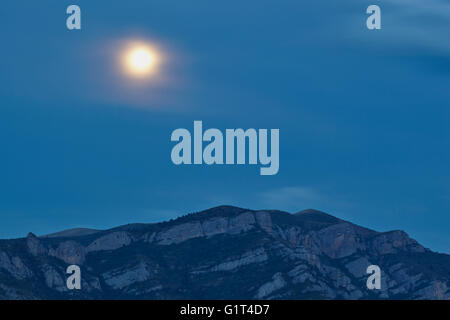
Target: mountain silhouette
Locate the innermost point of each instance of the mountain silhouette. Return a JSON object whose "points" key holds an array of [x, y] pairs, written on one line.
{"points": [[225, 253]]}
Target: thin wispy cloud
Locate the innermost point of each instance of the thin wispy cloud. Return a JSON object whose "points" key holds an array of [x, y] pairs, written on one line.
{"points": [[291, 197]]}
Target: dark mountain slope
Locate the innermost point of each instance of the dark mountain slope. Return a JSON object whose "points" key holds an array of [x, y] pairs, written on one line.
{"points": [[226, 253]]}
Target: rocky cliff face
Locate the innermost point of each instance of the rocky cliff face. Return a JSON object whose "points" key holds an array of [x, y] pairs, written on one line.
{"points": [[225, 253]]}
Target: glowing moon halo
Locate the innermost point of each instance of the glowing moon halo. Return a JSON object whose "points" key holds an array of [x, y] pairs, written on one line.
{"points": [[140, 60]]}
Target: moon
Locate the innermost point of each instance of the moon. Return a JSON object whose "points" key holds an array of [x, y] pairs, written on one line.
{"points": [[141, 60]]}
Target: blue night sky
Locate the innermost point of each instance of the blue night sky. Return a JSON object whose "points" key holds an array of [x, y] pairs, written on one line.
{"points": [[363, 115]]}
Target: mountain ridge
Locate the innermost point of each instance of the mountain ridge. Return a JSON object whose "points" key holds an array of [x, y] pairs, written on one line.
{"points": [[268, 254]]}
